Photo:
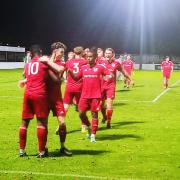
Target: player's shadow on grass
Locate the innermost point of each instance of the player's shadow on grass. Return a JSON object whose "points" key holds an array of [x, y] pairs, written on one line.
{"points": [[123, 90], [124, 123], [117, 125], [78, 152], [73, 131], [136, 86], [88, 152], [119, 104], [118, 137]]}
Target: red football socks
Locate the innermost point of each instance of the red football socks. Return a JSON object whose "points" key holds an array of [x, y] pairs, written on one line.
{"points": [[22, 137], [103, 111], [109, 115], [86, 121], [42, 137], [94, 125], [62, 133]]}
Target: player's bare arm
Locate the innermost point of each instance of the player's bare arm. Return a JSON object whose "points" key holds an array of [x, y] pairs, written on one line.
{"points": [[54, 66], [161, 68], [52, 58], [108, 77], [54, 77], [124, 73], [73, 75]]}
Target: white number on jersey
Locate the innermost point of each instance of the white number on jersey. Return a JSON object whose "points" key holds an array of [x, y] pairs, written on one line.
{"points": [[76, 68], [33, 68]]}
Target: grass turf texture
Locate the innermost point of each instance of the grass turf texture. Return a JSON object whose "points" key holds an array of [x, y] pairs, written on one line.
{"points": [[144, 142]]}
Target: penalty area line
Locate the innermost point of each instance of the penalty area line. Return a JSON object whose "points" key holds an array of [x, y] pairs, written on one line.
{"points": [[62, 175], [165, 91]]}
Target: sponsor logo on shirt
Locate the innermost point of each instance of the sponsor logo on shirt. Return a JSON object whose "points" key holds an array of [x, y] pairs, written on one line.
{"points": [[90, 76]]}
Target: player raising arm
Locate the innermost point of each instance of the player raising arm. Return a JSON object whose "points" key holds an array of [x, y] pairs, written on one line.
{"points": [[55, 95], [36, 98]]}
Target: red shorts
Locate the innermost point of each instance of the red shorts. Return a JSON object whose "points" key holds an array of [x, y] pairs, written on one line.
{"points": [[166, 75], [57, 107], [89, 104], [108, 93], [35, 105], [69, 96]]}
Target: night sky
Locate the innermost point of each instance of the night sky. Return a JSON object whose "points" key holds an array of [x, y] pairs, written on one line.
{"points": [[100, 23]]}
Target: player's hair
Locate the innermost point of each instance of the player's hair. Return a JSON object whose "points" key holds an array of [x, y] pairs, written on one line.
{"points": [[128, 55], [78, 50], [100, 49], [57, 45], [70, 52], [35, 50], [86, 49], [110, 49], [93, 50]]}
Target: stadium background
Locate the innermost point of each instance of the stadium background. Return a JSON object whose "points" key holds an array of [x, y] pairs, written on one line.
{"points": [[12, 58]]}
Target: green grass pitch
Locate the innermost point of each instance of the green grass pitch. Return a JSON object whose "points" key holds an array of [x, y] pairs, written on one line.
{"points": [[144, 142]]}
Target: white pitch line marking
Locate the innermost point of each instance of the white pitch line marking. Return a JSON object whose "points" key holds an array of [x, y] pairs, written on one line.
{"points": [[9, 85], [13, 97], [62, 175], [165, 91], [124, 100]]}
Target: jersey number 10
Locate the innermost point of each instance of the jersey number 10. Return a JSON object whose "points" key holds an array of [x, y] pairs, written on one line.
{"points": [[33, 68]]}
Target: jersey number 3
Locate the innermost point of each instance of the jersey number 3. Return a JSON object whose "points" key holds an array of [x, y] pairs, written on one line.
{"points": [[33, 68], [76, 67]]}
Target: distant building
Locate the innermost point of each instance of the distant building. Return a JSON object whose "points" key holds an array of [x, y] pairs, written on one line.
{"points": [[11, 54]]}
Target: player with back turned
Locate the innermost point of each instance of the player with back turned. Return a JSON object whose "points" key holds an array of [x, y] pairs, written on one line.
{"points": [[73, 87], [35, 101]]}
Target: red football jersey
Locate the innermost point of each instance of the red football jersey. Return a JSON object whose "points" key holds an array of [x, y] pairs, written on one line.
{"points": [[74, 65], [167, 66], [100, 60], [112, 67], [37, 74], [128, 65], [91, 86], [54, 88]]}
